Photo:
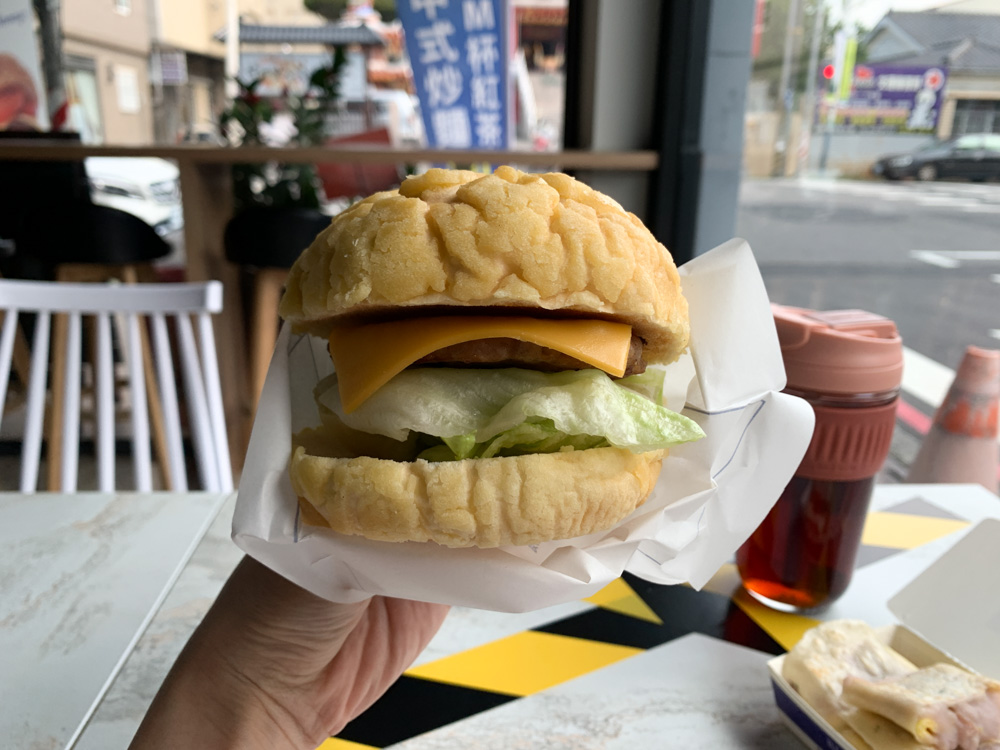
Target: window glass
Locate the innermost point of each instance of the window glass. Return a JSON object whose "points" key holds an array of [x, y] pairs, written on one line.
{"points": [[160, 70], [973, 115], [84, 111], [969, 142], [302, 73], [849, 200]]}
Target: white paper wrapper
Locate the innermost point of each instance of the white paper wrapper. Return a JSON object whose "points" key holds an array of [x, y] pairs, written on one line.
{"points": [[710, 496]]}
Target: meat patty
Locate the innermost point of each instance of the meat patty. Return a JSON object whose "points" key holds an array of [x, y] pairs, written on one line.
{"points": [[514, 353]]}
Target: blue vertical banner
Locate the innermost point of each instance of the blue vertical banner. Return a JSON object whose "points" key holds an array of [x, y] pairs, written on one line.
{"points": [[458, 50]]}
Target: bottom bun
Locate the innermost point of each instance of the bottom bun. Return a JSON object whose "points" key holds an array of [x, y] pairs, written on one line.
{"points": [[480, 502]]}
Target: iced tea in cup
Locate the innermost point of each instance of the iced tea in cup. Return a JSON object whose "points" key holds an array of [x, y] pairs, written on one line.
{"points": [[848, 365]]}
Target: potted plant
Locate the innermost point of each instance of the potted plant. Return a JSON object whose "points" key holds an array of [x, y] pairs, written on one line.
{"points": [[297, 119]]}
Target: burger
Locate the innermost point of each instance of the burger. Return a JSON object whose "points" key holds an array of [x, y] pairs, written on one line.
{"points": [[494, 341]]}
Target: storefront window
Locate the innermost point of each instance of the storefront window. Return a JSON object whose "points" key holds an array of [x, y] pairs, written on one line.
{"points": [[84, 105], [977, 116]]}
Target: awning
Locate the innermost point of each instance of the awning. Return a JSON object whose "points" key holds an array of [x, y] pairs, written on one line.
{"points": [[336, 36]]}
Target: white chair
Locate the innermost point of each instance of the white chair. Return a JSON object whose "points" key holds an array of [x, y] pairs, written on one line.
{"points": [[124, 310]]}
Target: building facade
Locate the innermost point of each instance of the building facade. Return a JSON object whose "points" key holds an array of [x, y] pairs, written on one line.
{"points": [[106, 46], [188, 61], [188, 68], [964, 39]]}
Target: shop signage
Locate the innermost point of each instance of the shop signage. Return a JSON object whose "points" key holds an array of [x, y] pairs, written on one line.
{"points": [[893, 98], [458, 50], [173, 68], [281, 72], [22, 100]]}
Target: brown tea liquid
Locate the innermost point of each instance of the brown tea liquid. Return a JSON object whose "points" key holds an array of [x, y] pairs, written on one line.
{"points": [[848, 365], [802, 555]]}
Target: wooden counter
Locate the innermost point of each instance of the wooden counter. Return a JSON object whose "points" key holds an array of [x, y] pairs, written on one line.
{"points": [[624, 161], [206, 191]]}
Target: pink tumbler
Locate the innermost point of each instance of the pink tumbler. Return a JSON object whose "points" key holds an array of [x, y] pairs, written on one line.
{"points": [[848, 365]]}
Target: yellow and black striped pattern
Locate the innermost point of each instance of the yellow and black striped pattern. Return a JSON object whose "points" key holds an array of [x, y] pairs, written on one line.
{"points": [[627, 617]]}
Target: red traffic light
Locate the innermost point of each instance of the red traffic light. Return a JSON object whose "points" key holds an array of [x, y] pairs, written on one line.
{"points": [[828, 71]]}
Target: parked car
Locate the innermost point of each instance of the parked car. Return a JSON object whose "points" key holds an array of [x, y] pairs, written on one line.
{"points": [[975, 156], [143, 186]]}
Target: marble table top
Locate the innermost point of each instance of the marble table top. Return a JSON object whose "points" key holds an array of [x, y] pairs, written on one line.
{"points": [[671, 667], [81, 576]]}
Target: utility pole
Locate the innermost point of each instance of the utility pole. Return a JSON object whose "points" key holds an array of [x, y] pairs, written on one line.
{"points": [[809, 110], [232, 49], [50, 30], [845, 53], [785, 88]]}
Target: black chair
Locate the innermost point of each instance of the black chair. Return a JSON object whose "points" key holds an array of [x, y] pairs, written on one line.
{"points": [[29, 188], [50, 229], [265, 242], [272, 237], [48, 220], [88, 234]]}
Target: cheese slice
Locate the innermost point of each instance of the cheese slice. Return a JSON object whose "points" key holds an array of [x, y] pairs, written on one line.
{"points": [[367, 356], [878, 733], [939, 705]]}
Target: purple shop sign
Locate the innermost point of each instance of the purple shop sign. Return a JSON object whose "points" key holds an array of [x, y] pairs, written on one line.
{"points": [[902, 98], [458, 51]]}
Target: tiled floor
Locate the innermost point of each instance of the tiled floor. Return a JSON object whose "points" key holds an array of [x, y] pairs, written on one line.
{"points": [[10, 471]]}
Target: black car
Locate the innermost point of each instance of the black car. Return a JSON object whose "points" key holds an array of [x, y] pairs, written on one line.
{"points": [[967, 157]]}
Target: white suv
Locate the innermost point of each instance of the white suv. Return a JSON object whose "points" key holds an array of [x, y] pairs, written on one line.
{"points": [[143, 186]]}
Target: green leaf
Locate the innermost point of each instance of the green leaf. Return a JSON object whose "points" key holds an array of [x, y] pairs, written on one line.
{"points": [[512, 411], [648, 384], [438, 453], [462, 446]]}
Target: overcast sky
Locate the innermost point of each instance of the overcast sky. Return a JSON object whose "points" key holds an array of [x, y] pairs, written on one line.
{"points": [[868, 12]]}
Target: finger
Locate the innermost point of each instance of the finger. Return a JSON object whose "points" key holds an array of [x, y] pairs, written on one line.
{"points": [[390, 636]]}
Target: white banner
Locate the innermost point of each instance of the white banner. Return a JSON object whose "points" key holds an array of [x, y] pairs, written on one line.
{"points": [[22, 101]]}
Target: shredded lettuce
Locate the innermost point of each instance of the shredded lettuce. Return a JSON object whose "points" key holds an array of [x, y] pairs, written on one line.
{"points": [[648, 384], [480, 413]]}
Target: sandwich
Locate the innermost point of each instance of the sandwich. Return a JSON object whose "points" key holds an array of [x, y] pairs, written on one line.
{"points": [[939, 706], [877, 699], [830, 653], [495, 341]]}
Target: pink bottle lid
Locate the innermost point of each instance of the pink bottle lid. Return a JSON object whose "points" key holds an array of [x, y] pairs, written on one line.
{"points": [[839, 352]]}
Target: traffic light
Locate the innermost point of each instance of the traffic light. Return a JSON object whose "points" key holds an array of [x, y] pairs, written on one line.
{"points": [[827, 81]]}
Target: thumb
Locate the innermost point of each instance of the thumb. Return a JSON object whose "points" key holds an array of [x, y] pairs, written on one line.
{"points": [[387, 639]]}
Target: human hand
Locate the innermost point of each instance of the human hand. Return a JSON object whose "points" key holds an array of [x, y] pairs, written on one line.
{"points": [[272, 665]]}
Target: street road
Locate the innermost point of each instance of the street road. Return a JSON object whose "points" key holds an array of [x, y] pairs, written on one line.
{"points": [[926, 255]]}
